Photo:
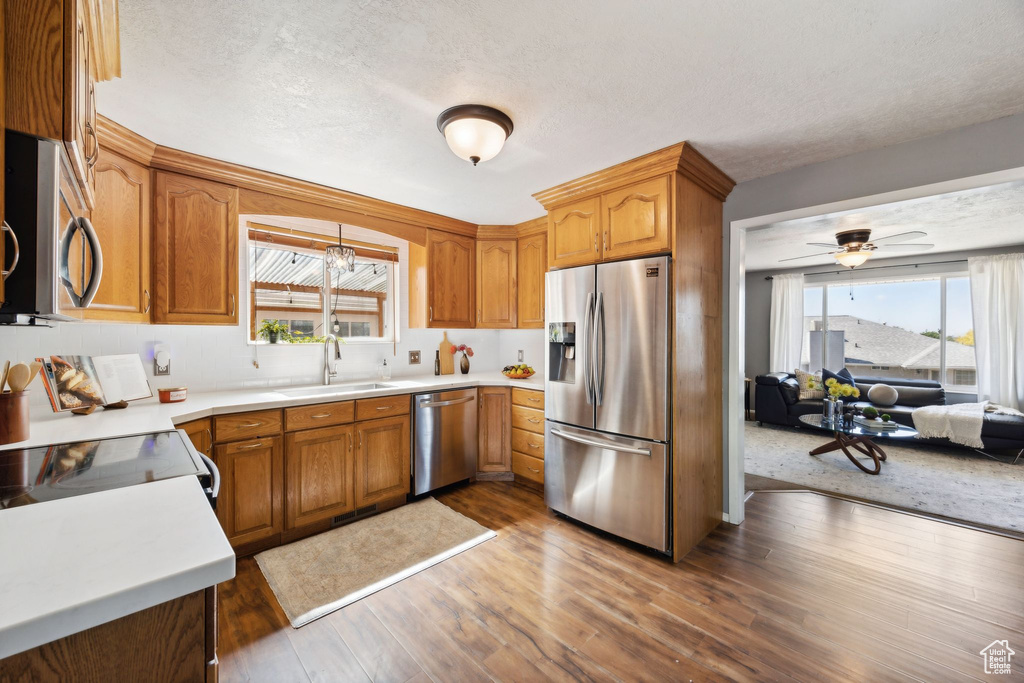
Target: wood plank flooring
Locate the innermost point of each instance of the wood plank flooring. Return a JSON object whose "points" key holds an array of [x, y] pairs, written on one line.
{"points": [[808, 588]]}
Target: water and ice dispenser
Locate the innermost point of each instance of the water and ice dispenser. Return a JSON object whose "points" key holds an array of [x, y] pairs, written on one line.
{"points": [[562, 352]]}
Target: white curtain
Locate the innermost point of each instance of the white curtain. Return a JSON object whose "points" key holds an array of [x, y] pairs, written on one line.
{"points": [[998, 310], [787, 322]]}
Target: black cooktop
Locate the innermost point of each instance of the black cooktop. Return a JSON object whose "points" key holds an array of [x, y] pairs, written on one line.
{"points": [[44, 473]]}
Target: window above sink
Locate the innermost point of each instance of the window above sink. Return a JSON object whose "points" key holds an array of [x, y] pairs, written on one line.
{"points": [[285, 273]]}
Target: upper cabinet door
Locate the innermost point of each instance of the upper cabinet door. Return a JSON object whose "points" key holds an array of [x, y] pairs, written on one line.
{"points": [[635, 220], [573, 234], [532, 263], [79, 117], [195, 251], [496, 283], [122, 221], [451, 264]]}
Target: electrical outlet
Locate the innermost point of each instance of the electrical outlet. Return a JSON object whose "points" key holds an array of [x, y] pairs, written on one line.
{"points": [[161, 360], [520, 355], [414, 358]]}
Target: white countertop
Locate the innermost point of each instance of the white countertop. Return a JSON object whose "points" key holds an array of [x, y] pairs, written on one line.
{"points": [[152, 416], [70, 564]]}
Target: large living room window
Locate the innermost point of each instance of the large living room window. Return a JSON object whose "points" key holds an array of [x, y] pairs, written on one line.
{"points": [[898, 328]]}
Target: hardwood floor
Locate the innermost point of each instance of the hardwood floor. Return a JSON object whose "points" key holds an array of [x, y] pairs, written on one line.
{"points": [[808, 588]]}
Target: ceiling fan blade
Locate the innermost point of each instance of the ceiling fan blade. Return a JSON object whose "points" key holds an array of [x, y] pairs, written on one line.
{"points": [[797, 258], [826, 245], [904, 247], [912, 235]]}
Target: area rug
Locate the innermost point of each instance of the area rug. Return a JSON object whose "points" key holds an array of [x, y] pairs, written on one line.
{"points": [[323, 573], [942, 481]]}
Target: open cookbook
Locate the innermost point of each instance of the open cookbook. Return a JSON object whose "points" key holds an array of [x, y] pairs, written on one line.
{"points": [[74, 382]]}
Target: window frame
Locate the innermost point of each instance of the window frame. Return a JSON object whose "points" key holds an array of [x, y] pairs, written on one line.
{"points": [[823, 282]]}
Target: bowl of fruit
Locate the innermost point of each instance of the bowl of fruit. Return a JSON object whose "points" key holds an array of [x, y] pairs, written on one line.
{"points": [[520, 371]]}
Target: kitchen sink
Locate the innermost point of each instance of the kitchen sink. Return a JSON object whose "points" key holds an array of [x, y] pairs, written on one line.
{"points": [[333, 390]]}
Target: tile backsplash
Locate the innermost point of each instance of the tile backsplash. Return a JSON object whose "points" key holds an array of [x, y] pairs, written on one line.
{"points": [[213, 358]]}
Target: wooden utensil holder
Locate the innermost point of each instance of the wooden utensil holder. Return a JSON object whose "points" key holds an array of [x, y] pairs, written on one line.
{"points": [[13, 416]]}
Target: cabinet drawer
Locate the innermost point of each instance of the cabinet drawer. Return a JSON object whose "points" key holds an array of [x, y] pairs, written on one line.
{"points": [[530, 443], [528, 467], [246, 425], [527, 418], [319, 415], [386, 406], [528, 398]]}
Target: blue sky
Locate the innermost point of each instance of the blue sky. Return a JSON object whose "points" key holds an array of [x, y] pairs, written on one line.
{"points": [[912, 305]]}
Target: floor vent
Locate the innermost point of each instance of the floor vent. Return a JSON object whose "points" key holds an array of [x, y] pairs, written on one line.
{"points": [[349, 516]]}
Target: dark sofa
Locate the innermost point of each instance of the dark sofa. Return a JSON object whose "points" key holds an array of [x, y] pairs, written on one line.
{"points": [[776, 401]]}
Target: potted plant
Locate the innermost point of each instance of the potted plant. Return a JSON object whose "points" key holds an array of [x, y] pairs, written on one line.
{"points": [[273, 330]]}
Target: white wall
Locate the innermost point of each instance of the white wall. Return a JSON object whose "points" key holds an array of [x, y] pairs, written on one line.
{"points": [[212, 358]]}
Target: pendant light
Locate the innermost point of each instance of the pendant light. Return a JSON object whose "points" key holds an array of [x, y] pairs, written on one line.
{"points": [[475, 132]]}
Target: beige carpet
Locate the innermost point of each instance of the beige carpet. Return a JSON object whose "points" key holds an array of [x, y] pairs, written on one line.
{"points": [[323, 573]]}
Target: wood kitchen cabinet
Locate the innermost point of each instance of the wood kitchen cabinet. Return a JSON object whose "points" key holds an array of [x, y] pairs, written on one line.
{"points": [[195, 251], [319, 474], [532, 264], [200, 433], [121, 217], [494, 429], [635, 220], [496, 275], [251, 506], [55, 51], [574, 234], [382, 468], [442, 277]]}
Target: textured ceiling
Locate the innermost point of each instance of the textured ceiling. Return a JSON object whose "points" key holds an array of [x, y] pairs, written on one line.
{"points": [[347, 93], [958, 221]]}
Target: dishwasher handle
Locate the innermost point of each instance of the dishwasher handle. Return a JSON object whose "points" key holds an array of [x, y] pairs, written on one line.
{"points": [[442, 404]]}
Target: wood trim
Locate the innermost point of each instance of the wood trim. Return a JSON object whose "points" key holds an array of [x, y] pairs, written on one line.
{"points": [[681, 157], [303, 243], [117, 138], [496, 232], [277, 230], [104, 27], [355, 209], [534, 226]]}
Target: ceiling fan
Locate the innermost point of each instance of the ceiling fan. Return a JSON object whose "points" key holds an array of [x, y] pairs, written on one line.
{"points": [[854, 247]]}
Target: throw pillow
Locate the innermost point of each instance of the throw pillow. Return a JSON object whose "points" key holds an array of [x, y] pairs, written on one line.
{"points": [[843, 377], [883, 395], [810, 386]]}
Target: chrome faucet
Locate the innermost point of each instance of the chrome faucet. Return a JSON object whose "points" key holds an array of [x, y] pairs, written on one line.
{"points": [[331, 369]]}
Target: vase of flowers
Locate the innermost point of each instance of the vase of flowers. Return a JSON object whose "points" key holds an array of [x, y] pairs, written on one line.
{"points": [[835, 392], [467, 353]]}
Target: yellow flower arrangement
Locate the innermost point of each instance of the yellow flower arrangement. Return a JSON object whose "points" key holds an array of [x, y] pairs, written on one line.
{"points": [[836, 389]]}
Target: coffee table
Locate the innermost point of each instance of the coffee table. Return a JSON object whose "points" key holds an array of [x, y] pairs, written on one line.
{"points": [[857, 437]]}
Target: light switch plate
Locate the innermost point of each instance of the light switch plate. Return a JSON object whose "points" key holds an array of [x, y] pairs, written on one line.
{"points": [[414, 358], [520, 355]]}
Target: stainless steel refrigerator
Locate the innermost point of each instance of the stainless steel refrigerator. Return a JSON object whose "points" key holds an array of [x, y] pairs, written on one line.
{"points": [[607, 399]]}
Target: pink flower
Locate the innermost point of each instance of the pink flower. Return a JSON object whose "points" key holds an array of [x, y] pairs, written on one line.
{"points": [[469, 352], [452, 349]]}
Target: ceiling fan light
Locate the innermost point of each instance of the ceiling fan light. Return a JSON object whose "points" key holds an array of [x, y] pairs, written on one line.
{"points": [[852, 259], [474, 132]]}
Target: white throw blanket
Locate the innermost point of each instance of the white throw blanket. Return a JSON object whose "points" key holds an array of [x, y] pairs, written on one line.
{"points": [[960, 423]]}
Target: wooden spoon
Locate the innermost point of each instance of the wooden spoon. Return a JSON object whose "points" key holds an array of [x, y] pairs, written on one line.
{"points": [[33, 370], [19, 377], [3, 377]]}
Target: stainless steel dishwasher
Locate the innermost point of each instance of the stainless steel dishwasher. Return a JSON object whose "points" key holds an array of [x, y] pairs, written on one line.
{"points": [[445, 438]]}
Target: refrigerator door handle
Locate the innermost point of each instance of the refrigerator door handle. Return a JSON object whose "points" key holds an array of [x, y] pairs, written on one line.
{"points": [[599, 349], [601, 444], [587, 358]]}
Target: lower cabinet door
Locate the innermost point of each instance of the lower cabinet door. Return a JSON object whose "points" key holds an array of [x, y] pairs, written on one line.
{"points": [[250, 505], [318, 474], [494, 453], [382, 460]]}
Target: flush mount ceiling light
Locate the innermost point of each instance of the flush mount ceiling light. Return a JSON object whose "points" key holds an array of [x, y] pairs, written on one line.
{"points": [[475, 132]]}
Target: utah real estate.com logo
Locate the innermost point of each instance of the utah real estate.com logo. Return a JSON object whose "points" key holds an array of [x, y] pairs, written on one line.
{"points": [[997, 657]]}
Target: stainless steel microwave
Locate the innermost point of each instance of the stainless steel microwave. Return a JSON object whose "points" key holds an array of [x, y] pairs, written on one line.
{"points": [[53, 260]]}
